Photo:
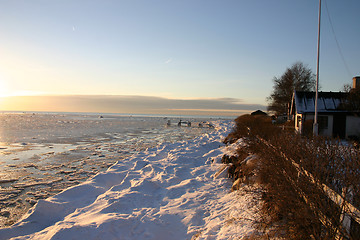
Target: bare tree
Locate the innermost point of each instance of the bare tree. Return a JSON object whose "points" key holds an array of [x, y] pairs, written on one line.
{"points": [[298, 77], [352, 102]]}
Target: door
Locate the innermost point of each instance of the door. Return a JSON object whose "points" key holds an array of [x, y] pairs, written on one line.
{"points": [[339, 126]]}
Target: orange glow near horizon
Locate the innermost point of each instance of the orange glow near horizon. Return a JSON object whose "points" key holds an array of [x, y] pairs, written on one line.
{"points": [[121, 104]]}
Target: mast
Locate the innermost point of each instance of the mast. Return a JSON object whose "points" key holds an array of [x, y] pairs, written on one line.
{"points": [[316, 126]]}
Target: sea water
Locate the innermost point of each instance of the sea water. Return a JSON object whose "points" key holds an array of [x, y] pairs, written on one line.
{"points": [[42, 154]]}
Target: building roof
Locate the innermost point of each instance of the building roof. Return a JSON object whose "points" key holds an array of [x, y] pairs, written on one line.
{"points": [[259, 112], [327, 102]]}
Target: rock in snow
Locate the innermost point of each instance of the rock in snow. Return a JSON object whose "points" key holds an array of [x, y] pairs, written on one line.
{"points": [[168, 192]]}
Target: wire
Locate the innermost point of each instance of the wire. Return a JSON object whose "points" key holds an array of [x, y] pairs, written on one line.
{"points": [[337, 42]]}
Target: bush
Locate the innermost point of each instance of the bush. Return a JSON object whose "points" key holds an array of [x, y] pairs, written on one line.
{"points": [[248, 126], [294, 204]]}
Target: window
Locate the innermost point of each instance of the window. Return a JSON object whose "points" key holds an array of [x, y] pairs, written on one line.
{"points": [[323, 122]]}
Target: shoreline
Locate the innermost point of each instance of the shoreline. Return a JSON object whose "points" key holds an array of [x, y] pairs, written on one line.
{"points": [[171, 185], [39, 166], [108, 114]]}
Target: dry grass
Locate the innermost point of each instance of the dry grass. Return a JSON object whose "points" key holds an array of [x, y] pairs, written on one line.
{"points": [[294, 204]]}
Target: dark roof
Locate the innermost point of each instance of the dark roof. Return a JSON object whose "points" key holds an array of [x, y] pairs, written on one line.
{"points": [[259, 112], [327, 101]]}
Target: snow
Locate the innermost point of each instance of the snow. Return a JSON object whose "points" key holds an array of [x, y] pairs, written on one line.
{"points": [[173, 191]]}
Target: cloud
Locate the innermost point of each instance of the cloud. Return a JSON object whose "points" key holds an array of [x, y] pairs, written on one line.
{"points": [[130, 104], [168, 61]]}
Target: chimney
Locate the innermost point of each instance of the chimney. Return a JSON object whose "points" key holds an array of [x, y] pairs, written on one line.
{"points": [[356, 82]]}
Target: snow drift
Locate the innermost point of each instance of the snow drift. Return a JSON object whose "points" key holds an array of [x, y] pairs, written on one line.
{"points": [[173, 191]]}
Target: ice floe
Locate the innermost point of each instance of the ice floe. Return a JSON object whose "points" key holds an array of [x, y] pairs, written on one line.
{"points": [[172, 191]]}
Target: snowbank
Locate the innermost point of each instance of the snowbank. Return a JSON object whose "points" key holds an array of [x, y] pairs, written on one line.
{"points": [[168, 192]]}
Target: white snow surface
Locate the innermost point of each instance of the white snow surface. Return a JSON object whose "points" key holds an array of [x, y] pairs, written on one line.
{"points": [[173, 191]]}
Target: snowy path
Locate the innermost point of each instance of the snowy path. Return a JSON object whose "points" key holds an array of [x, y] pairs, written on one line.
{"points": [[169, 192]]}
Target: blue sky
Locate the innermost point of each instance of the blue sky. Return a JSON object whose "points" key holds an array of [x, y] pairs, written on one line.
{"points": [[190, 49]]}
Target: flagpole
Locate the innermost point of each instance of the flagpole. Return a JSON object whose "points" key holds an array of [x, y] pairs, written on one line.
{"points": [[316, 126]]}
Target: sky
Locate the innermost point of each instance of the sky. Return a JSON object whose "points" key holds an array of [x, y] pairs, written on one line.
{"points": [[169, 55]]}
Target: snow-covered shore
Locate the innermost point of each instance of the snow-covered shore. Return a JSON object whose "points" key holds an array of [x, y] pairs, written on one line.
{"points": [[173, 191]]}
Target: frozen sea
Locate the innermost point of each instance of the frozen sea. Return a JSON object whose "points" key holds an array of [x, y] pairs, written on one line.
{"points": [[41, 154], [173, 189]]}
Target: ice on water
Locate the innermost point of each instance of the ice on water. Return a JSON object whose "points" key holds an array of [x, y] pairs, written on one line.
{"points": [[171, 191]]}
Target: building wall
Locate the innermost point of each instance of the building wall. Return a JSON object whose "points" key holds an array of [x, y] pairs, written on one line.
{"points": [[325, 130], [298, 123], [352, 126]]}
